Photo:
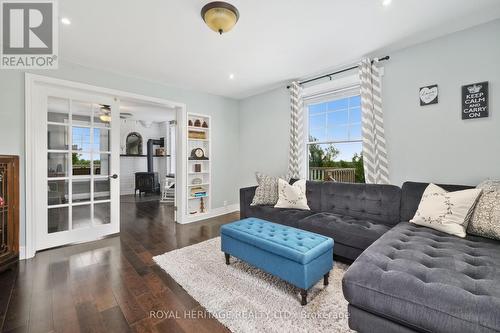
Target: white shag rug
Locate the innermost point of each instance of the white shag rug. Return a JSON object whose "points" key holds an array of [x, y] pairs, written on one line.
{"points": [[245, 299]]}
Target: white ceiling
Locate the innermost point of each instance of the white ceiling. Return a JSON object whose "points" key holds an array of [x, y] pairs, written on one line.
{"points": [[146, 112], [274, 41]]}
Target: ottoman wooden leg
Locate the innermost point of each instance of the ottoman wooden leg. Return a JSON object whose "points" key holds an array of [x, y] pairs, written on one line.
{"points": [[325, 279], [227, 258], [303, 294]]}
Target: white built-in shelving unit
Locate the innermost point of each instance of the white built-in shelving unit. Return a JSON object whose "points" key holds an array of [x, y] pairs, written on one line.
{"points": [[198, 181]]}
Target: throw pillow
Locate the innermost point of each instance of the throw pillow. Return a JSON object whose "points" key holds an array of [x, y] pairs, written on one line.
{"points": [[446, 211], [267, 190], [292, 196], [485, 220]]}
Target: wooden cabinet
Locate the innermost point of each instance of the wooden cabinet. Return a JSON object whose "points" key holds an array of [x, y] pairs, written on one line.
{"points": [[9, 211]]}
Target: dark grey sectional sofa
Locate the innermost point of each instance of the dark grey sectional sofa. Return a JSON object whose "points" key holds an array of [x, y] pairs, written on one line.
{"points": [[406, 278], [354, 215]]}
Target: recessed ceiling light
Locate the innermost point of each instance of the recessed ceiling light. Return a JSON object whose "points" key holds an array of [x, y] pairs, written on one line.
{"points": [[231, 76], [386, 2], [65, 21]]}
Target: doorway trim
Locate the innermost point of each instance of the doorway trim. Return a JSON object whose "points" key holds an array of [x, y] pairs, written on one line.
{"points": [[32, 82]]}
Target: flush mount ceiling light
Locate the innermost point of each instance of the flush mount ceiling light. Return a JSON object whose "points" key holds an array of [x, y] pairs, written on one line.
{"points": [[386, 3], [220, 16], [65, 21]]}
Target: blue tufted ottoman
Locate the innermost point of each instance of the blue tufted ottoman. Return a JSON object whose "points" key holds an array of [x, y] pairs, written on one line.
{"points": [[296, 256]]}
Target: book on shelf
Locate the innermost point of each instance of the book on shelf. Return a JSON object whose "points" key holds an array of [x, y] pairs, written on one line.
{"points": [[198, 192]]}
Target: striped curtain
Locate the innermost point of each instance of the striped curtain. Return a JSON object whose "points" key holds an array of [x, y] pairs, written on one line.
{"points": [[374, 150], [296, 153]]}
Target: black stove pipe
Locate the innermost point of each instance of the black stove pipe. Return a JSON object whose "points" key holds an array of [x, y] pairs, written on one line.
{"points": [[151, 143]]}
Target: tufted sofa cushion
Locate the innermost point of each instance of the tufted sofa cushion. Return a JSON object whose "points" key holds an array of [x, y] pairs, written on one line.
{"points": [[347, 230], [378, 203], [429, 280], [286, 216], [295, 244]]}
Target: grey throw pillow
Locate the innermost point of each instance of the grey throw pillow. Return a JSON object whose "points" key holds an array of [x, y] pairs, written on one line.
{"points": [[267, 190], [485, 220]]}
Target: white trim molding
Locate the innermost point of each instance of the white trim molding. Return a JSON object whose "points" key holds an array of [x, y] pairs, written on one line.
{"points": [[214, 212], [320, 89], [32, 82]]}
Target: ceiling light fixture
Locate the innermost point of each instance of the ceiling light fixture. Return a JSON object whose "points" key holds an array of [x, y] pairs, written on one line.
{"points": [[105, 118], [65, 21], [220, 16], [105, 115], [386, 2], [231, 76]]}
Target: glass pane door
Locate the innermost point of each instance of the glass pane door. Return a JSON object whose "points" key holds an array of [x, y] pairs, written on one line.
{"points": [[81, 177]]}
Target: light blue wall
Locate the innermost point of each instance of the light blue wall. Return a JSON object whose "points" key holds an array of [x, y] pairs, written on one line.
{"points": [[433, 143], [429, 143], [224, 112], [264, 124]]}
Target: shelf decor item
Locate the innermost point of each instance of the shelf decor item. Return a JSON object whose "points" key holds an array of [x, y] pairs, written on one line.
{"points": [[197, 135], [197, 167], [190, 123], [197, 123], [202, 206], [204, 125], [198, 154], [197, 181], [160, 152], [198, 192]]}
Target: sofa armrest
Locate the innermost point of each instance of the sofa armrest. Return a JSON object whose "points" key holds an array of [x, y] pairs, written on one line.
{"points": [[246, 197]]}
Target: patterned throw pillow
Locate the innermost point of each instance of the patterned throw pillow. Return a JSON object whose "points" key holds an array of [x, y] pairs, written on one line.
{"points": [[485, 220], [292, 196], [445, 211], [267, 190]]}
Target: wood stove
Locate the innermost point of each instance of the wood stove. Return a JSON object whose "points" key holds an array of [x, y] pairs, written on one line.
{"points": [[148, 182]]}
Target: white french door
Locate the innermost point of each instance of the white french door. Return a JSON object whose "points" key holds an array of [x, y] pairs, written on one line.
{"points": [[77, 166]]}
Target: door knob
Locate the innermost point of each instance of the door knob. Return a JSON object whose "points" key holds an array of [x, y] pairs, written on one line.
{"points": [[114, 176]]}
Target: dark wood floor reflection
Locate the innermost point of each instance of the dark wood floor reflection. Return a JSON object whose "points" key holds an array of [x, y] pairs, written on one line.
{"points": [[109, 285]]}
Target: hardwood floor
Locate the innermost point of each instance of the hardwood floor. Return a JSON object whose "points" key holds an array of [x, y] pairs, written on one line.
{"points": [[109, 285]]}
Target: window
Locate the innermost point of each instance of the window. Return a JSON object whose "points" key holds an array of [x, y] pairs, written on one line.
{"points": [[335, 143]]}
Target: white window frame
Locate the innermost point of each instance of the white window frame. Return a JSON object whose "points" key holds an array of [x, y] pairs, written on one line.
{"points": [[337, 89]]}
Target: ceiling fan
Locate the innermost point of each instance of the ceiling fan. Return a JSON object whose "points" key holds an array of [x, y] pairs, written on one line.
{"points": [[105, 115]]}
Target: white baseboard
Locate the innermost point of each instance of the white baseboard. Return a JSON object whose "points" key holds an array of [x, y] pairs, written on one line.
{"points": [[212, 213], [22, 253]]}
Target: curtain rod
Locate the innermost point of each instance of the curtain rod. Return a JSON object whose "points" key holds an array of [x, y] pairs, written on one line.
{"points": [[337, 72]]}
